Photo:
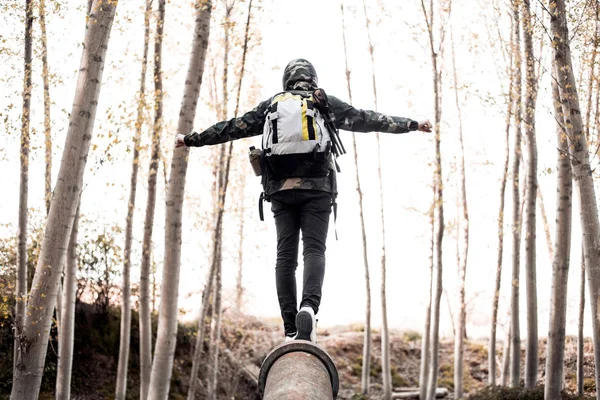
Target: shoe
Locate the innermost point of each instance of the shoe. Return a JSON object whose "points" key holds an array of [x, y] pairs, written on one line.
{"points": [[290, 338], [306, 324]]}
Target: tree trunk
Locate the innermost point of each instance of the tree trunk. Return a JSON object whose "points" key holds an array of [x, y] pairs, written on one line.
{"points": [[167, 321], [367, 344], [515, 366], [463, 253], [67, 324], [498, 278], [531, 358], [438, 207], [34, 337], [121, 384], [385, 344], [425, 339], [47, 122], [582, 172], [213, 355], [505, 371], [560, 265], [21, 289], [580, 338], [546, 225], [145, 314]]}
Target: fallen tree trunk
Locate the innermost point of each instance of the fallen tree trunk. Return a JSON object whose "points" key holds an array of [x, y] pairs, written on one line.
{"points": [[413, 393]]}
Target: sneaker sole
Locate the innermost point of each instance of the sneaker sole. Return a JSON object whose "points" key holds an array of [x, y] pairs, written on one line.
{"points": [[304, 325]]}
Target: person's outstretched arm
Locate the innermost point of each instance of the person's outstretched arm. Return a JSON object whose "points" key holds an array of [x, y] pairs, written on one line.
{"points": [[356, 120], [249, 124]]}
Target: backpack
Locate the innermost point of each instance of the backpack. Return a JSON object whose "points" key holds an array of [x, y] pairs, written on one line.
{"points": [[296, 140], [299, 139]]}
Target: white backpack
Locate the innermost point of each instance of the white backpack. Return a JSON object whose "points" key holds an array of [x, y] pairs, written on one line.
{"points": [[296, 141]]}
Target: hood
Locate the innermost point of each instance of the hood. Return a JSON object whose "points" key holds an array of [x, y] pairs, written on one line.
{"points": [[300, 74]]}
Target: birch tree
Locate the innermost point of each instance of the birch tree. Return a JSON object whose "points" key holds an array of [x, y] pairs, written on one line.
{"points": [[560, 265], [167, 321], [580, 161], [366, 359], [531, 358], [47, 121], [67, 323], [145, 312], [580, 337], [436, 52], [123, 363], [33, 339], [462, 244], [21, 294], [515, 357], [499, 259]]}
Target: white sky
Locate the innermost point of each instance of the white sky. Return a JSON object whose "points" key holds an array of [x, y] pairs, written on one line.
{"points": [[404, 88]]}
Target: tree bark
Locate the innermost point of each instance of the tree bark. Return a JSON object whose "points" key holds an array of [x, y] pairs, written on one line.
{"points": [[385, 342], [33, 340], [167, 322], [213, 354], [145, 312], [580, 337], [560, 265], [123, 363], [515, 366], [367, 344], [505, 371], [531, 358], [463, 247], [582, 172], [21, 289], [438, 207], [498, 278], [239, 285], [67, 324], [545, 222], [47, 122]]}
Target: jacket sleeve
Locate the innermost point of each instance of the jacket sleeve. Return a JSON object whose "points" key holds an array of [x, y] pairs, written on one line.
{"points": [[249, 124], [353, 119]]}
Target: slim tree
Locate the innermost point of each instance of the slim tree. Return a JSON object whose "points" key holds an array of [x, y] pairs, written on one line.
{"points": [[33, 339], [67, 323], [167, 321], [23, 184], [47, 123], [121, 384], [515, 357], [463, 244], [366, 361], [580, 321], [145, 315], [438, 204], [498, 277], [580, 161], [531, 360], [560, 265]]}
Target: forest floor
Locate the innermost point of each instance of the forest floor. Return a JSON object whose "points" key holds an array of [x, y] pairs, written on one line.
{"points": [[248, 340], [345, 345]]}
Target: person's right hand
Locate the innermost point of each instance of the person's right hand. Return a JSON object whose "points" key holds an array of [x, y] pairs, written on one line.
{"points": [[179, 142], [424, 126]]}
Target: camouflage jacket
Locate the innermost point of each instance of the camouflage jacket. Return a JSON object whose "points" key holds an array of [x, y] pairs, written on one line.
{"points": [[346, 118]]}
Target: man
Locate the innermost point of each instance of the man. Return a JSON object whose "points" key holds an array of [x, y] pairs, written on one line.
{"points": [[301, 202]]}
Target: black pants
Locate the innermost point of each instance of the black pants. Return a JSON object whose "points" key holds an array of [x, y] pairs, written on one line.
{"points": [[294, 211]]}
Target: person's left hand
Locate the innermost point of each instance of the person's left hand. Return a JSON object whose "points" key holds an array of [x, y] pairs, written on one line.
{"points": [[424, 126], [179, 142]]}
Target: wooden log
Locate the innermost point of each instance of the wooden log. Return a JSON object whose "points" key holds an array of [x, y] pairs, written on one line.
{"points": [[440, 393]]}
